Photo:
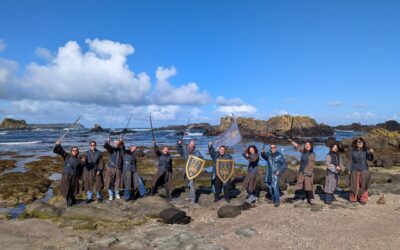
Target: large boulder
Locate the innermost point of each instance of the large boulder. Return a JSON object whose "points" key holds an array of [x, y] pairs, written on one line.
{"points": [[229, 211], [9, 123], [174, 216], [152, 206]]}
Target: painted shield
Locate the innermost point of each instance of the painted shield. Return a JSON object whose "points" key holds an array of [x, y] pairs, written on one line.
{"points": [[194, 166], [224, 169]]}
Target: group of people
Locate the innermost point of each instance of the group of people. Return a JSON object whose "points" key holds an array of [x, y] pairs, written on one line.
{"points": [[121, 172]]}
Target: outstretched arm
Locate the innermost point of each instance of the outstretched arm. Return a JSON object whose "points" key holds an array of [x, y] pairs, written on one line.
{"points": [[211, 151], [58, 149]]}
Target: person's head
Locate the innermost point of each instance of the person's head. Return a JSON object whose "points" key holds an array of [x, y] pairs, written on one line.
{"points": [[74, 151], [165, 150], [221, 150], [333, 148], [118, 143], [273, 148], [252, 149], [92, 145], [359, 143], [83, 157], [132, 148], [309, 146], [192, 145]]}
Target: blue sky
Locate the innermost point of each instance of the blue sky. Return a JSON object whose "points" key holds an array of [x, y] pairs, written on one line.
{"points": [[337, 61]]}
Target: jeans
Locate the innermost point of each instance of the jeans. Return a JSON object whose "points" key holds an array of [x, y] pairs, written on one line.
{"points": [[90, 195], [127, 194], [274, 189], [110, 192], [192, 190]]}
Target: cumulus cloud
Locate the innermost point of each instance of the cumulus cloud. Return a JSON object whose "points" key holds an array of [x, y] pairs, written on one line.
{"points": [[187, 94], [3, 45], [234, 105], [8, 69], [44, 53], [99, 75], [336, 104]]}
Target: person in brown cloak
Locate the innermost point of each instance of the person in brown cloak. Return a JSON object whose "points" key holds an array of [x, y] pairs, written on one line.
{"points": [[93, 173], [71, 173], [114, 167], [334, 167], [164, 171], [359, 171], [305, 177]]}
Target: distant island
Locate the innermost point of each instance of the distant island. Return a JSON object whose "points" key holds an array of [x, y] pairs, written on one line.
{"points": [[9, 123]]}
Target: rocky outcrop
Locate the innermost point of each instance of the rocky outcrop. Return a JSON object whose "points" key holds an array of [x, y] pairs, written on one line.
{"points": [[277, 126], [390, 125], [97, 129], [386, 145], [9, 123]]}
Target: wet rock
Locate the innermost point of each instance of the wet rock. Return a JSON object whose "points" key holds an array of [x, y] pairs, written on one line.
{"points": [[229, 211], [42, 210], [22, 187], [7, 164], [174, 216], [46, 165], [152, 206], [246, 232]]}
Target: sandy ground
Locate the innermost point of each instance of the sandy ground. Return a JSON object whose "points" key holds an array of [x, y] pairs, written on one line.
{"points": [[291, 226]]}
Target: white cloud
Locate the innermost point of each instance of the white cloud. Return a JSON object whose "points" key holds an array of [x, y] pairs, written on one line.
{"points": [[187, 94], [168, 112], [8, 70], [235, 106], [336, 104], [360, 105], [3, 45], [362, 116], [100, 75], [44, 53]]}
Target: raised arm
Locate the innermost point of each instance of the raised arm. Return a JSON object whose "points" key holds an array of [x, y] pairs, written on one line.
{"points": [[264, 155], [156, 149], [58, 149], [211, 151], [108, 147], [180, 150]]}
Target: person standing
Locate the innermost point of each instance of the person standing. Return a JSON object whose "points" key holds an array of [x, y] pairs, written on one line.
{"points": [[93, 173], [219, 155], [250, 181], [359, 172], [276, 166], [305, 177], [130, 175], [71, 173], [164, 171], [114, 167], [334, 167], [185, 152]]}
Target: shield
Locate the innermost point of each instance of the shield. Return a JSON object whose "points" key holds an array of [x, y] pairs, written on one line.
{"points": [[194, 166], [224, 169]]}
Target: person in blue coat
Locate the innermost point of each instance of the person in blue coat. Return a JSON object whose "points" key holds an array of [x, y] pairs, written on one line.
{"points": [[276, 166]]}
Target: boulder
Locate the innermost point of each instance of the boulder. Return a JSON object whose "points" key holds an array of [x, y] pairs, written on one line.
{"points": [[42, 210], [152, 206], [97, 129], [229, 211], [174, 216]]}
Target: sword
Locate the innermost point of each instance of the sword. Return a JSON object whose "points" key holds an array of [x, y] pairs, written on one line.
{"points": [[152, 131], [291, 128], [66, 132], [187, 125]]}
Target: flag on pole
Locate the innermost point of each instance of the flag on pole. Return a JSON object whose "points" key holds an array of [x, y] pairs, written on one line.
{"points": [[230, 137]]}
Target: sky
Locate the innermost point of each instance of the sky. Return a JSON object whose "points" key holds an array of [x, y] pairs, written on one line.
{"points": [[336, 61]]}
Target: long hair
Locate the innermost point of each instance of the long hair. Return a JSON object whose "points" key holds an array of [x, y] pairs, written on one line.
{"points": [[252, 146], [311, 146], [354, 144], [332, 146], [74, 147]]}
